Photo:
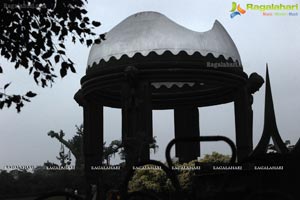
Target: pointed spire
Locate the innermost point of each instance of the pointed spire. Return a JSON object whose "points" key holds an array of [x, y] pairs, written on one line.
{"points": [[270, 119], [270, 127]]}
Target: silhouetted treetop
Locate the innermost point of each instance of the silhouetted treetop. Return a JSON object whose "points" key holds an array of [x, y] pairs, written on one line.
{"points": [[32, 36]]}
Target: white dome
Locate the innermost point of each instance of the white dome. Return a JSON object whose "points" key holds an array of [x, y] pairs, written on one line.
{"points": [[147, 32]]}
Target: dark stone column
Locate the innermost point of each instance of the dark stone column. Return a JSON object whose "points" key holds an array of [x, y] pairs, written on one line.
{"points": [[187, 125], [243, 124], [136, 118], [93, 145]]}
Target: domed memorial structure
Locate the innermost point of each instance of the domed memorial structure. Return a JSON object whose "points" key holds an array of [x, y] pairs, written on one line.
{"points": [[149, 62]]}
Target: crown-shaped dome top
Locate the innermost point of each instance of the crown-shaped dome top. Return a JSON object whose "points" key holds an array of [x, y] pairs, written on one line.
{"points": [[148, 32]]}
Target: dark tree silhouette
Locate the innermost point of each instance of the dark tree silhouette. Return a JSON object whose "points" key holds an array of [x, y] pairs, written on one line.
{"points": [[32, 36], [75, 146], [272, 148], [111, 150], [64, 158]]}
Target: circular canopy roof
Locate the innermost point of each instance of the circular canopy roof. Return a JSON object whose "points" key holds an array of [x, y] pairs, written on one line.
{"points": [[178, 63], [151, 32]]}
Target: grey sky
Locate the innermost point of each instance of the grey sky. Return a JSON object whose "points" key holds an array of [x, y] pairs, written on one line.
{"points": [[259, 39]]}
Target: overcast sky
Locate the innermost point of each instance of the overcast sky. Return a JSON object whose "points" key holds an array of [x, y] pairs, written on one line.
{"points": [[259, 39]]}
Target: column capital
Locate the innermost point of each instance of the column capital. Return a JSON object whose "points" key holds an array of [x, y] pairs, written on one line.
{"points": [[79, 98]]}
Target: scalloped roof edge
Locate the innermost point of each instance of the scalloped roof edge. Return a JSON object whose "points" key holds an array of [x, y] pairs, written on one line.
{"points": [[148, 32]]}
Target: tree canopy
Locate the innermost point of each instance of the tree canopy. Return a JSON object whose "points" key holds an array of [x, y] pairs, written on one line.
{"points": [[75, 147], [33, 34], [215, 157], [74, 144]]}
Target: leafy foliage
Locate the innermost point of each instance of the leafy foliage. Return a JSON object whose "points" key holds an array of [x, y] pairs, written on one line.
{"points": [[185, 176], [18, 100], [215, 157], [32, 36], [150, 180], [157, 181]]}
